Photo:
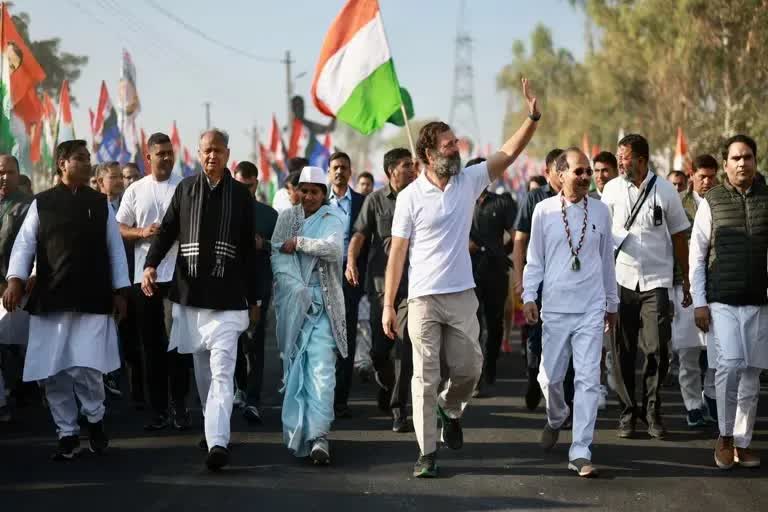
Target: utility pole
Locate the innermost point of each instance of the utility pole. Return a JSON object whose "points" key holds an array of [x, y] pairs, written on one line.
{"points": [[288, 85], [207, 106]]}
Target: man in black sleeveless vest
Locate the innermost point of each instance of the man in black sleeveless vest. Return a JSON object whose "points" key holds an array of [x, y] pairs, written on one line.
{"points": [[729, 279], [71, 233]]}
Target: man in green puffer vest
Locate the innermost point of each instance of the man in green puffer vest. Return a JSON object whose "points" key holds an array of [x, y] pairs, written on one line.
{"points": [[688, 341], [729, 284]]}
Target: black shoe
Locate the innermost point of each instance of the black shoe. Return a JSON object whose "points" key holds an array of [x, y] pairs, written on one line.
{"points": [[626, 428], [533, 394], [342, 412], [695, 419], [452, 433], [97, 438], [656, 428], [252, 416], [426, 466], [217, 458], [321, 452], [401, 425], [382, 399], [159, 422], [711, 408], [181, 419], [68, 448], [112, 386]]}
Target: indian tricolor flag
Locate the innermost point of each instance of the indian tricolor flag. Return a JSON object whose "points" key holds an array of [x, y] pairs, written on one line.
{"points": [[355, 79]]}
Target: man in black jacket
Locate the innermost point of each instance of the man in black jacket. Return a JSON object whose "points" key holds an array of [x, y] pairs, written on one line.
{"points": [[349, 202], [211, 216]]}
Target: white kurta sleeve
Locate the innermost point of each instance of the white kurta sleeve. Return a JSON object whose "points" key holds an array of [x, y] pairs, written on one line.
{"points": [[697, 253], [533, 272], [609, 270], [118, 261], [25, 246]]}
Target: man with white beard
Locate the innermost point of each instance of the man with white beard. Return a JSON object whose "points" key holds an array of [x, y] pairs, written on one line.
{"points": [[729, 278], [571, 253]]}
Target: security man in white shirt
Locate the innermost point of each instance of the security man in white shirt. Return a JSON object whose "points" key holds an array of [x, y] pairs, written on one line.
{"points": [[431, 224], [571, 253], [649, 233]]}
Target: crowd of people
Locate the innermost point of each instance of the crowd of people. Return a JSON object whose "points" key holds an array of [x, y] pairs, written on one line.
{"points": [[158, 275]]}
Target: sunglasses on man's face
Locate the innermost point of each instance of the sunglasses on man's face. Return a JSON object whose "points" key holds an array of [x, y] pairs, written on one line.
{"points": [[581, 171]]}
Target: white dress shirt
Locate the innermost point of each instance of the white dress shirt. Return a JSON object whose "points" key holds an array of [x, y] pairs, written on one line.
{"points": [[549, 258], [437, 224], [646, 259], [145, 203]]}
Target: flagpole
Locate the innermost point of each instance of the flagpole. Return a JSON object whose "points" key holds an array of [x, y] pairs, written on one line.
{"points": [[402, 103], [407, 127]]}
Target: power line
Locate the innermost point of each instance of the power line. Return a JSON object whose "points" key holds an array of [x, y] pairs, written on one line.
{"points": [[243, 53]]}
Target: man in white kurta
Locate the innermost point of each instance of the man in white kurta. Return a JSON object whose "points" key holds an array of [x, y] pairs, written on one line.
{"points": [[70, 346], [687, 340], [729, 279], [571, 253]]}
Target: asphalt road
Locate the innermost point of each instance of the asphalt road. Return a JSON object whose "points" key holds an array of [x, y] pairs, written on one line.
{"points": [[501, 466]]}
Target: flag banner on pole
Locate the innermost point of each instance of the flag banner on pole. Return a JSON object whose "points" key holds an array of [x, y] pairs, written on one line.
{"points": [[65, 130], [128, 94], [680, 162], [355, 79], [107, 138], [276, 147], [20, 107], [188, 164], [48, 146], [299, 139], [178, 166]]}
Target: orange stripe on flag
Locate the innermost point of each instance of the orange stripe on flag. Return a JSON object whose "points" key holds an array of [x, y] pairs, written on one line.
{"points": [[354, 16]]}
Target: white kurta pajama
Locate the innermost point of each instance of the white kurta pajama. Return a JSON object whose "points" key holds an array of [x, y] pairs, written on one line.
{"points": [[70, 351], [211, 337], [574, 303], [740, 336]]}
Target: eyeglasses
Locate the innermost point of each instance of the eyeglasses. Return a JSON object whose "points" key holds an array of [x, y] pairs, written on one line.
{"points": [[580, 171]]}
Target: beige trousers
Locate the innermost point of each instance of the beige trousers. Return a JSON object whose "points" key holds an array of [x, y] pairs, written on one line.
{"points": [[444, 326]]}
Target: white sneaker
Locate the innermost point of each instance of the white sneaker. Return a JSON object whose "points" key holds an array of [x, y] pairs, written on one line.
{"points": [[601, 401], [239, 399], [321, 452]]}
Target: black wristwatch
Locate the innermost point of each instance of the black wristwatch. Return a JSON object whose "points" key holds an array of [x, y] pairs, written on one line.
{"points": [[534, 117]]}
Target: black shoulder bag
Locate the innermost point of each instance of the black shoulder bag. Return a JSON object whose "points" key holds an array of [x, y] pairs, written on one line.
{"points": [[636, 210]]}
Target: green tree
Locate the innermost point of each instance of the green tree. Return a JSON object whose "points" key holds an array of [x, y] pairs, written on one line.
{"points": [[58, 65]]}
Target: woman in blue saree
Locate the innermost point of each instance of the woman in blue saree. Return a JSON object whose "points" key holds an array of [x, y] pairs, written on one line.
{"points": [[307, 248]]}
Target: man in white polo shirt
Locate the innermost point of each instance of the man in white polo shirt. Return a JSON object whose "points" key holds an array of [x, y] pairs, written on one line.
{"points": [[141, 212], [431, 226], [649, 231]]}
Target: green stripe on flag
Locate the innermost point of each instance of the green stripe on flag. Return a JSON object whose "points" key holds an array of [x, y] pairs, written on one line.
{"points": [[373, 101], [7, 140]]}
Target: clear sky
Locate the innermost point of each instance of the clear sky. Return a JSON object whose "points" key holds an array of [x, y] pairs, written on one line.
{"points": [[178, 71]]}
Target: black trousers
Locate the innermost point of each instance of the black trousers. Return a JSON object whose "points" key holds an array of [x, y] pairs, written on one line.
{"points": [[646, 313], [395, 373], [492, 288], [249, 366], [131, 350], [162, 366], [345, 367]]}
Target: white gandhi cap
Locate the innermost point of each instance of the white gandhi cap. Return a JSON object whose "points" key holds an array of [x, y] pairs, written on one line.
{"points": [[312, 174]]}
